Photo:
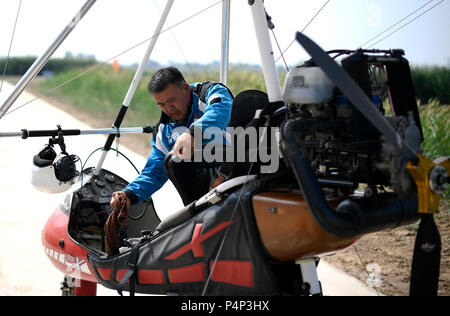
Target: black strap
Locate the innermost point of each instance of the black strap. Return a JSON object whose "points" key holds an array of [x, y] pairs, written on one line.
{"points": [[130, 275], [426, 259], [202, 89], [156, 130]]}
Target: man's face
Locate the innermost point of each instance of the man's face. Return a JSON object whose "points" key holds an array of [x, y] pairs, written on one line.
{"points": [[174, 101]]}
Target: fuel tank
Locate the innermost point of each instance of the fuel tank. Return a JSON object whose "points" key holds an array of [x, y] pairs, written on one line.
{"points": [[287, 229]]}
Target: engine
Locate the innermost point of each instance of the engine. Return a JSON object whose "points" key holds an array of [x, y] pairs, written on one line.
{"points": [[344, 149]]}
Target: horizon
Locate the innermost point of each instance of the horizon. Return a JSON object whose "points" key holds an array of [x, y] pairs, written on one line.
{"points": [[112, 27], [196, 64]]}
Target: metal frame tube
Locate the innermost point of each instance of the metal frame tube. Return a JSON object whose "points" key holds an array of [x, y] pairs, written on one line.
{"points": [[266, 51], [128, 130], [41, 61], [225, 41], [76, 132], [134, 84], [143, 64]]}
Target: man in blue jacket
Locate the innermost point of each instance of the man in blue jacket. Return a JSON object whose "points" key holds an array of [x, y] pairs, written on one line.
{"points": [[185, 109]]}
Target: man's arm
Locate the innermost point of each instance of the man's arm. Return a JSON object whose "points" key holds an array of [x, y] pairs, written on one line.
{"points": [[152, 177]]}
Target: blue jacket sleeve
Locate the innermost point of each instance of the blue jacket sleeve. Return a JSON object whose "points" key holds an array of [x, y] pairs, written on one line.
{"points": [[218, 109], [152, 177]]}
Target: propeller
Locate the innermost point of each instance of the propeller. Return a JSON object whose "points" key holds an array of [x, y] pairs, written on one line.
{"points": [[420, 167], [431, 177]]}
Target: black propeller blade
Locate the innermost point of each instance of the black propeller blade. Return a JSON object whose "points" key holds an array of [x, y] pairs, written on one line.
{"points": [[355, 94], [426, 260]]}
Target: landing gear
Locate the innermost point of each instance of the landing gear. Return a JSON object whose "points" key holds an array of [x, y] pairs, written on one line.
{"points": [[67, 286], [311, 285], [73, 287], [298, 278]]}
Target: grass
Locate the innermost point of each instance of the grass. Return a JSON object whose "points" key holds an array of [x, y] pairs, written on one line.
{"points": [[435, 120], [435, 125], [101, 92]]}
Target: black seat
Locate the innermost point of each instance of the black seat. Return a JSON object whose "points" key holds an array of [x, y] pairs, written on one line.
{"points": [[245, 106], [243, 113]]}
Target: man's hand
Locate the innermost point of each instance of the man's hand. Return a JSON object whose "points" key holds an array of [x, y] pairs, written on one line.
{"points": [[115, 200], [184, 146]]}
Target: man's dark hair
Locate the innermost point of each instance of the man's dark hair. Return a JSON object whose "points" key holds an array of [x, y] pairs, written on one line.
{"points": [[163, 77]]}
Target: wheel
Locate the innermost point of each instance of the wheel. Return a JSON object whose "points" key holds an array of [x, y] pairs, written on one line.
{"points": [[67, 286]]}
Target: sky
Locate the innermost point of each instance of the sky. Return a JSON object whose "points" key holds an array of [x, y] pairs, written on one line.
{"points": [[113, 26]]}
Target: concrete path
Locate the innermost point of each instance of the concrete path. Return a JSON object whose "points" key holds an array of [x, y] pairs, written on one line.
{"points": [[24, 267]]}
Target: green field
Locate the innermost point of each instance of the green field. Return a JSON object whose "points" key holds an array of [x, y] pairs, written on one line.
{"points": [[436, 128], [101, 92], [432, 83]]}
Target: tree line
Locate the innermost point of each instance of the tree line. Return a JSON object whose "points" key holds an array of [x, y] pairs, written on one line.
{"points": [[18, 66]]}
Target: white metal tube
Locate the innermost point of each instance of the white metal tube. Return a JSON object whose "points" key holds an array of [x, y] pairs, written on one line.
{"points": [[105, 131], [266, 52], [41, 61], [139, 72], [100, 162], [143, 64], [309, 275], [11, 134], [127, 130], [226, 5]]}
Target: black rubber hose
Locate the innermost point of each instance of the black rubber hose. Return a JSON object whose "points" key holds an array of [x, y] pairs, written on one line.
{"points": [[353, 217]]}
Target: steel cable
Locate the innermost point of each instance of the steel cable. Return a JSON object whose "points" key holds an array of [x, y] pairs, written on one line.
{"points": [[392, 26], [401, 27], [112, 58], [10, 46]]}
